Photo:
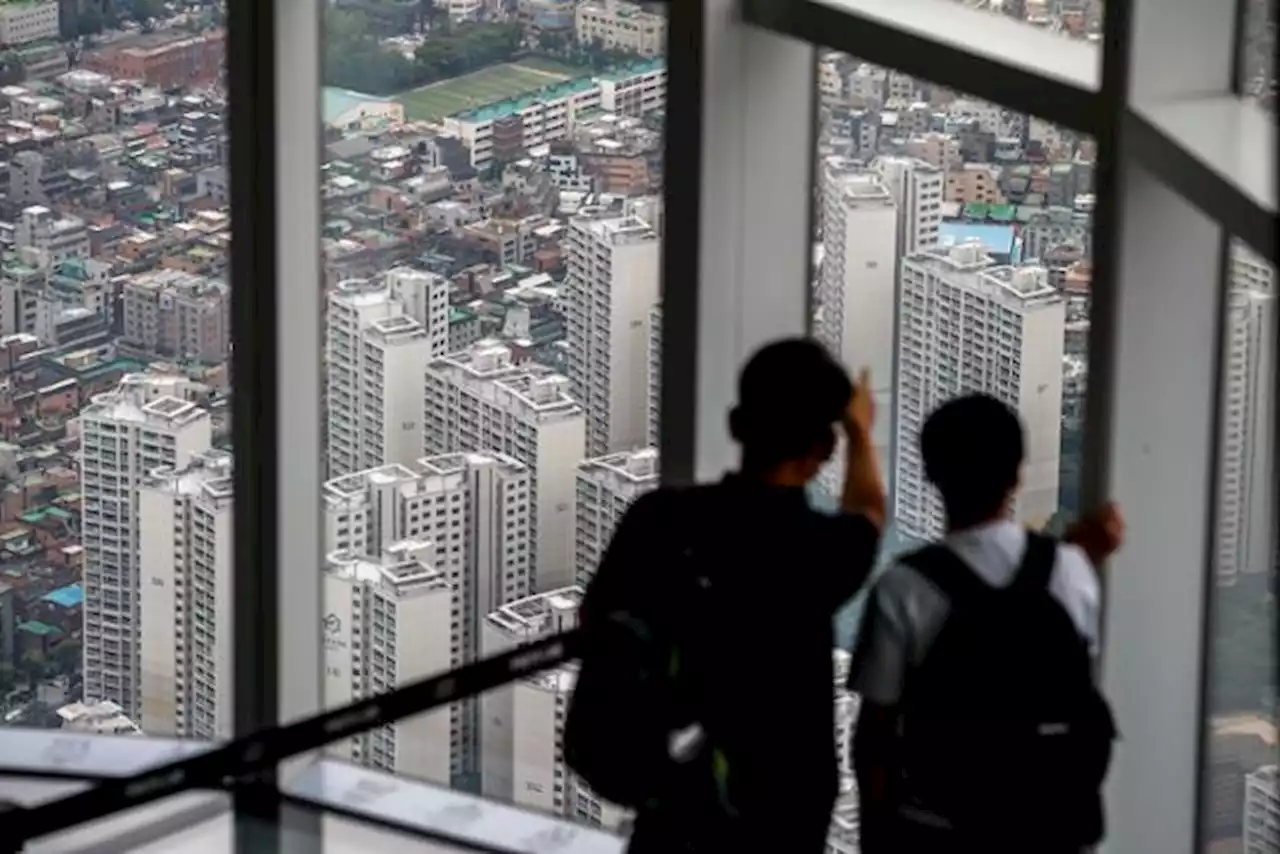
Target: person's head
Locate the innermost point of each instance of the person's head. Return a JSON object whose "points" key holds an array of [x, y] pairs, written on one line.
{"points": [[972, 451], [790, 396]]}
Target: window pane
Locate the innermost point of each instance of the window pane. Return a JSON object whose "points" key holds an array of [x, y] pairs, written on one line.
{"points": [[492, 228], [115, 599], [953, 255], [1241, 807], [1072, 18], [1257, 55]]}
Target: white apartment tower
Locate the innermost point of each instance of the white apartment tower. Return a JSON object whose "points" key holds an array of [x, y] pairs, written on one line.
{"points": [[1262, 811], [606, 488], [476, 509], [124, 435], [520, 752], [386, 623], [184, 565], [968, 325], [655, 376], [1246, 487], [857, 291], [916, 188], [843, 835], [613, 262], [481, 401], [380, 335]]}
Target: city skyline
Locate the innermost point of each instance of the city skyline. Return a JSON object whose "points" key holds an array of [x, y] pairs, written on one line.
{"points": [[493, 233]]}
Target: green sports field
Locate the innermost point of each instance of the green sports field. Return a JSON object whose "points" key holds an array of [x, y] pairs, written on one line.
{"points": [[480, 88]]}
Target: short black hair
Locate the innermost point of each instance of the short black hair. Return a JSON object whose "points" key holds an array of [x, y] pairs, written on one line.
{"points": [[972, 448], [790, 394]]}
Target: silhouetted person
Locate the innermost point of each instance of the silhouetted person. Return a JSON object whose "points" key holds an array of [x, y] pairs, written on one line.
{"points": [[980, 728], [735, 585]]}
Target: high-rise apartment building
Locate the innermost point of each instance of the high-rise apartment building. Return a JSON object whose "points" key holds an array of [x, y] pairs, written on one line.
{"points": [[655, 376], [857, 292], [965, 325], [1262, 811], [916, 188], [613, 262], [185, 601], [179, 315], [481, 400], [380, 336], [619, 25], [387, 621], [521, 758], [843, 835], [606, 488], [475, 508], [1246, 488], [144, 425]]}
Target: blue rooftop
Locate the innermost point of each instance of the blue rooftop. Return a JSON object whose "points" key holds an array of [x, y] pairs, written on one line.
{"points": [[71, 596], [999, 240], [338, 101]]}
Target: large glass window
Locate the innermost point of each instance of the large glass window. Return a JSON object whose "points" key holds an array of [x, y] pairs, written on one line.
{"points": [[1241, 811], [115, 537], [952, 254], [491, 246], [1257, 51], [1240, 807]]}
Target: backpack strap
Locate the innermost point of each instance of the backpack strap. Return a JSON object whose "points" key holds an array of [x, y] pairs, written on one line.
{"points": [[1038, 562], [945, 570]]}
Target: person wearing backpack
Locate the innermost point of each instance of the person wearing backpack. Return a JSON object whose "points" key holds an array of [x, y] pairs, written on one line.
{"points": [[981, 727], [704, 698]]}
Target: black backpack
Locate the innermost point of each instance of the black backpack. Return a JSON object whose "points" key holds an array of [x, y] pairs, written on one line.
{"points": [[1005, 733], [632, 732]]}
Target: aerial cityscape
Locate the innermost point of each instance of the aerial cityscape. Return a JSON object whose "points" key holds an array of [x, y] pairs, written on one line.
{"points": [[492, 240]]}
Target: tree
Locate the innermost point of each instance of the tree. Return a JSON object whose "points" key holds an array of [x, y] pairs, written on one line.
{"points": [[554, 42], [11, 69], [144, 11], [90, 22], [67, 657]]}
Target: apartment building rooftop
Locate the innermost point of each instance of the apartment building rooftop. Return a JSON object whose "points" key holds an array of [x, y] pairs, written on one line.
{"points": [[536, 386], [361, 292], [447, 464], [612, 135], [540, 613], [408, 563], [145, 398], [614, 227], [969, 263], [208, 474], [400, 327], [187, 285], [638, 467]]}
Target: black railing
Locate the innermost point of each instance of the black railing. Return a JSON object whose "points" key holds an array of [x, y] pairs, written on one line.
{"points": [[221, 767]]}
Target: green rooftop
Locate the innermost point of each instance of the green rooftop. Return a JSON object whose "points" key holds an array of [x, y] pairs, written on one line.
{"points": [[39, 629], [35, 516], [1002, 213], [635, 69], [511, 106]]}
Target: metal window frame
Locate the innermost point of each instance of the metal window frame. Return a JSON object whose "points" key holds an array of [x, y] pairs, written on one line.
{"points": [[1170, 194], [274, 85], [736, 270]]}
